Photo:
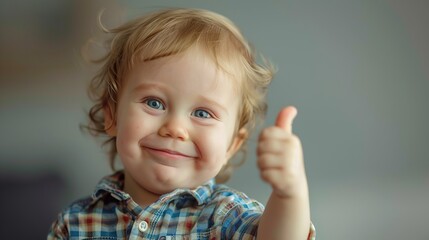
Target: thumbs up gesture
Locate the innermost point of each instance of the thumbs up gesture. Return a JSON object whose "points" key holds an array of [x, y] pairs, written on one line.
{"points": [[280, 157]]}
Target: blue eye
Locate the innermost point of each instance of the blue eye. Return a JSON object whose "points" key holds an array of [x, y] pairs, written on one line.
{"points": [[201, 114], [155, 104]]}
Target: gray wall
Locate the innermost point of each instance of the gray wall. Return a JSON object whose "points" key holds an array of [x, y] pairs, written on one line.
{"points": [[358, 72]]}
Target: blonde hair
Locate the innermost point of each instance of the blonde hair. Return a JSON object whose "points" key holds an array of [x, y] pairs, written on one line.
{"points": [[169, 32]]}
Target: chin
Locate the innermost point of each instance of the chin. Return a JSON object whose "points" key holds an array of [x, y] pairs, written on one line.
{"points": [[164, 186]]}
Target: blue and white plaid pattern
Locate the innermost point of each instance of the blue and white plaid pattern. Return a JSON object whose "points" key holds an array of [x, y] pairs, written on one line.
{"points": [[209, 212]]}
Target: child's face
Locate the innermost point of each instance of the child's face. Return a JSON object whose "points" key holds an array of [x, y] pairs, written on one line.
{"points": [[175, 123]]}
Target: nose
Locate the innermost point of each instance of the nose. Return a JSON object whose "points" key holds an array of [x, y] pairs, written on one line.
{"points": [[174, 128]]}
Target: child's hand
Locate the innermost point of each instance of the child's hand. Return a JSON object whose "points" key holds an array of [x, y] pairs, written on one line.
{"points": [[280, 158]]}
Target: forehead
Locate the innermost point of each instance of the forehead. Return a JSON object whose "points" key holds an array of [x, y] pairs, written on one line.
{"points": [[195, 69]]}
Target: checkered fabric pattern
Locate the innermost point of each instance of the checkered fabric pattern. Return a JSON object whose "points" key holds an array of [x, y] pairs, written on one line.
{"points": [[210, 211]]}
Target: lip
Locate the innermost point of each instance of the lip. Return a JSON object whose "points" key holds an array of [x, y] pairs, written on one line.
{"points": [[167, 153]]}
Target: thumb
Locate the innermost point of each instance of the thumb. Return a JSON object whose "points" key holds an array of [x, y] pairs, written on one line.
{"points": [[285, 118]]}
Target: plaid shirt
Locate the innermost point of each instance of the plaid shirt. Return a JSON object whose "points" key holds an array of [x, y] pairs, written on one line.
{"points": [[210, 211]]}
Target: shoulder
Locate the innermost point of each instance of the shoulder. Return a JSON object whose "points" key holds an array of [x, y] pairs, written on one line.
{"points": [[103, 201], [61, 226], [76, 208], [79, 213], [79, 205], [89, 206]]}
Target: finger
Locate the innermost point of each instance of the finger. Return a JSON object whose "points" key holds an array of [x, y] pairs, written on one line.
{"points": [[273, 133], [275, 146], [285, 118], [269, 161]]}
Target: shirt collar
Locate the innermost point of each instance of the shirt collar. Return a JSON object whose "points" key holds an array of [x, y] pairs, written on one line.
{"points": [[201, 194], [114, 184]]}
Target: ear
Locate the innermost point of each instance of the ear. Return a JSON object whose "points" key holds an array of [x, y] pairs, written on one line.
{"points": [[109, 122], [238, 140]]}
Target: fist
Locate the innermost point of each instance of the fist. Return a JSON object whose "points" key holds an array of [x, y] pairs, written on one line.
{"points": [[280, 158]]}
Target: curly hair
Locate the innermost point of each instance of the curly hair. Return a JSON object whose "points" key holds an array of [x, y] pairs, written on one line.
{"points": [[169, 32]]}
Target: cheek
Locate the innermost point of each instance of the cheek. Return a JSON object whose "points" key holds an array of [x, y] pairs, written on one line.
{"points": [[127, 141], [131, 129], [213, 146], [128, 129]]}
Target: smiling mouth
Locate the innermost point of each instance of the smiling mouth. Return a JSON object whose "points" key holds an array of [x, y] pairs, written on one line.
{"points": [[168, 153]]}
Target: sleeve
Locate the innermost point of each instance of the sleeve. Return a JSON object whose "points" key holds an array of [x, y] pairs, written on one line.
{"points": [[243, 225], [241, 220], [312, 233], [58, 229]]}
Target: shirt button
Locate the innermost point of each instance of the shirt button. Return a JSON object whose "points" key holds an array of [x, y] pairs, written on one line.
{"points": [[143, 226], [231, 198]]}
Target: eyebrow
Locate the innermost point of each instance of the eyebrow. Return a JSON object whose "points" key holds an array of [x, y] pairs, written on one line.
{"points": [[212, 102], [157, 86], [144, 86]]}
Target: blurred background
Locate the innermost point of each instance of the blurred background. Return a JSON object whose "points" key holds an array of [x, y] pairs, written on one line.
{"points": [[358, 72]]}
